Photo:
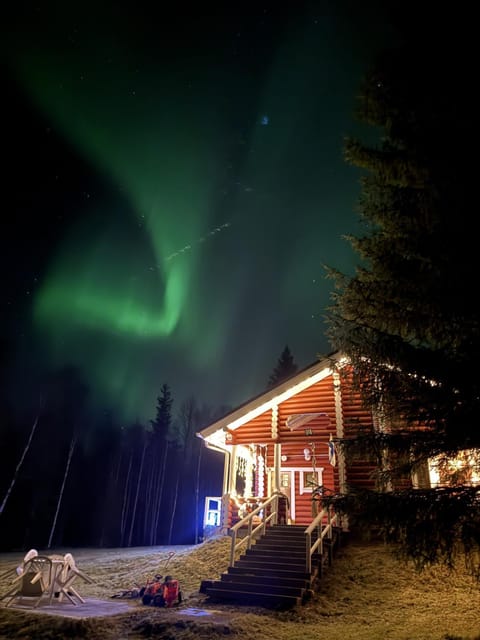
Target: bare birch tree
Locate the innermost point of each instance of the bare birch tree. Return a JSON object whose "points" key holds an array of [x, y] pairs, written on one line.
{"points": [[197, 491], [62, 489], [161, 429], [137, 492], [22, 458], [126, 495]]}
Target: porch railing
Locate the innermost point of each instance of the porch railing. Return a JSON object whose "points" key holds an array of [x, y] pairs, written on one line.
{"points": [[261, 512], [323, 523]]}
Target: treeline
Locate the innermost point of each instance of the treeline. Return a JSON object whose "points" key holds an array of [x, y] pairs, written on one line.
{"points": [[72, 477]]}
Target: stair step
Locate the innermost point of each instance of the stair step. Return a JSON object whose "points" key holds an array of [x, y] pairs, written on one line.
{"points": [[289, 530], [271, 572], [255, 599], [281, 544], [262, 564], [267, 551], [294, 557], [286, 529], [265, 580], [269, 560], [286, 534], [257, 587], [267, 548], [280, 549], [285, 541]]}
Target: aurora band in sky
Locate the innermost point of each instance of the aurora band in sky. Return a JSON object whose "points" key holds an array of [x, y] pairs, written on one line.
{"points": [[162, 279]]}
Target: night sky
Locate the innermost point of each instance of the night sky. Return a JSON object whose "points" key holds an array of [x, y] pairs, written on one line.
{"points": [[173, 187]]}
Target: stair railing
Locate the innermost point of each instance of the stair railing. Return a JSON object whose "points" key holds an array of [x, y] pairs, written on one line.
{"points": [[324, 530], [260, 512]]}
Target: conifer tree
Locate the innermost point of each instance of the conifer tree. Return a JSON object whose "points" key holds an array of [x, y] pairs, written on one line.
{"points": [[159, 452], [408, 319], [285, 368]]}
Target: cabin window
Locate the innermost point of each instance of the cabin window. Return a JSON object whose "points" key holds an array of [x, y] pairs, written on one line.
{"points": [[212, 511], [459, 470], [310, 479]]}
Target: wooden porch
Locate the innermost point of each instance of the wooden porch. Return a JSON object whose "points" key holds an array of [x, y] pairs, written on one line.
{"points": [[275, 565]]}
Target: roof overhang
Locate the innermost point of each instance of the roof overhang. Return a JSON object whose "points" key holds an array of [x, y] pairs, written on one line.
{"points": [[215, 433]]}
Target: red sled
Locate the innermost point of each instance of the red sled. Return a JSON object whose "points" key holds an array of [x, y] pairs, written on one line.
{"points": [[171, 594], [162, 594]]}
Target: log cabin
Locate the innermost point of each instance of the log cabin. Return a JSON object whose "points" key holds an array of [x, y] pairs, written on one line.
{"points": [[283, 442]]}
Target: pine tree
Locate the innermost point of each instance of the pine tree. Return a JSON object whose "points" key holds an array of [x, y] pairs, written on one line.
{"points": [[163, 419], [159, 452], [285, 368], [408, 319]]}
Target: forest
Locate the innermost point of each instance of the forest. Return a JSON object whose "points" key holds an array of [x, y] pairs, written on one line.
{"points": [[73, 476]]}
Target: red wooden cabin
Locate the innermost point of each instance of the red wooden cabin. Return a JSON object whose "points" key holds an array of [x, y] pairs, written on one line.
{"points": [[282, 441]]}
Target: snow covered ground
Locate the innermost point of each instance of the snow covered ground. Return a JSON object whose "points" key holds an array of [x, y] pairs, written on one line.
{"points": [[366, 595]]}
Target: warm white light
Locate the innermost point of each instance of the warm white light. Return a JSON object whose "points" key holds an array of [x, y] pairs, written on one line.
{"points": [[307, 453], [260, 472]]}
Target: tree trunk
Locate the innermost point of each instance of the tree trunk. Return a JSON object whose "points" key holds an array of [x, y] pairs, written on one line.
{"points": [[135, 503], [174, 507], [112, 501], [19, 465], [149, 484], [123, 518], [197, 492], [62, 489], [158, 501]]}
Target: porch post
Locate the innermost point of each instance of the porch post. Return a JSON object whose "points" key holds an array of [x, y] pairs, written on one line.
{"points": [[226, 466], [339, 424], [231, 470], [249, 484], [277, 463], [337, 390], [277, 451], [228, 486]]}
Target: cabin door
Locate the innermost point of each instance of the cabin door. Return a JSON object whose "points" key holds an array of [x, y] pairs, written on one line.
{"points": [[287, 484], [287, 487]]}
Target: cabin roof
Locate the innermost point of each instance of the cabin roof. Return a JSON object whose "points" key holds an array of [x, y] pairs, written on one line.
{"points": [[272, 396]]}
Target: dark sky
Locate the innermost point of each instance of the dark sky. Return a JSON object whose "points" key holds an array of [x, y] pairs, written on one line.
{"points": [[174, 187]]}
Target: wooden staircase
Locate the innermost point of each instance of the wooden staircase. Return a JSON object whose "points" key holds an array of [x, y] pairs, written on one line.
{"points": [[272, 573]]}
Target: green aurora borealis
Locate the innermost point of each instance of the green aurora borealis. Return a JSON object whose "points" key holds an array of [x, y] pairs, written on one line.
{"points": [[226, 194]]}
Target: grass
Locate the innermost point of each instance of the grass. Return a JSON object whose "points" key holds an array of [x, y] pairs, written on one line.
{"points": [[367, 594]]}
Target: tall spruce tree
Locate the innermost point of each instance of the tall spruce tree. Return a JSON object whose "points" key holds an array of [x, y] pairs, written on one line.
{"points": [[408, 319], [163, 419], [159, 452], [285, 368]]}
